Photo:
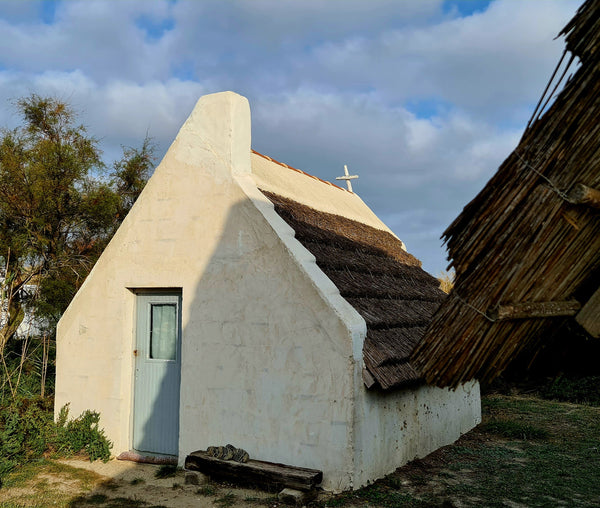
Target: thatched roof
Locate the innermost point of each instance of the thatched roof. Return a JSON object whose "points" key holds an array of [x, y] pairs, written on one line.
{"points": [[526, 250], [373, 272]]}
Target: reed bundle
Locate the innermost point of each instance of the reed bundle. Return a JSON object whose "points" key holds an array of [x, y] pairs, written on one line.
{"points": [[385, 284], [523, 242]]}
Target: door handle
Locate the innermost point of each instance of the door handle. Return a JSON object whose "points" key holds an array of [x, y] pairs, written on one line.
{"points": [[135, 352]]}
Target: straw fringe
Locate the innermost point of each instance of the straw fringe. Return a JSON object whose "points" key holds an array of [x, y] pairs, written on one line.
{"points": [[385, 284], [519, 240]]}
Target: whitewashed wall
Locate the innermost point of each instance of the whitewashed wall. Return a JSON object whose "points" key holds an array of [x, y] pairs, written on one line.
{"points": [[267, 364], [394, 428], [271, 353]]}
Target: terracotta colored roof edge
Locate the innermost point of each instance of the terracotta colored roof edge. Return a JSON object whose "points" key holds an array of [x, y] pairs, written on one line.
{"points": [[283, 164]]}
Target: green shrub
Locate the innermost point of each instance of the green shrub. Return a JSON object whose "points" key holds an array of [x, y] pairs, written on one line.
{"points": [[28, 431], [83, 434], [26, 427]]}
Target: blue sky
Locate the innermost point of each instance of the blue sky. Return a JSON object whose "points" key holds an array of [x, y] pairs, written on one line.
{"points": [[421, 98]]}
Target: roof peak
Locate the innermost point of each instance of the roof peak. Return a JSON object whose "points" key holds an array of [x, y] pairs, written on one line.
{"points": [[297, 170]]}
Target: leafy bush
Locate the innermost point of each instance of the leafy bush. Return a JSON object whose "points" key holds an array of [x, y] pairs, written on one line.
{"points": [[26, 427], [28, 431], [83, 434], [582, 390]]}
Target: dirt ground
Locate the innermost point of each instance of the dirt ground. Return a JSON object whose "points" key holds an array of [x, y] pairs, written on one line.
{"points": [[123, 483], [124, 479], [527, 452]]}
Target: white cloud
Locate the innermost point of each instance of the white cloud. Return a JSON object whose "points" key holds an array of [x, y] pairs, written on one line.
{"points": [[485, 64], [423, 104], [99, 38], [118, 112], [391, 144], [16, 12]]}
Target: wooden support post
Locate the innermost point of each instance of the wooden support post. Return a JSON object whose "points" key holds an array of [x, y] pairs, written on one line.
{"points": [[534, 310], [583, 195], [589, 317]]}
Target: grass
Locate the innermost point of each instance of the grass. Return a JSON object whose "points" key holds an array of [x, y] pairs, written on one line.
{"points": [[32, 471], [584, 390], [226, 500], [44, 483], [528, 451], [378, 494], [166, 471], [97, 499], [207, 490], [514, 430]]}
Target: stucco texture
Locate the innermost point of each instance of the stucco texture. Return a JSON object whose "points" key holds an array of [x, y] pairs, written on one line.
{"points": [[271, 353]]}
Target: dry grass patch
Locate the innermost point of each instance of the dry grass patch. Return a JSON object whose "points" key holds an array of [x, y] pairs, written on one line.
{"points": [[46, 483]]}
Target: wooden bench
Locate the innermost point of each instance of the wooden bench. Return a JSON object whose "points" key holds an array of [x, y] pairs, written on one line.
{"points": [[256, 472]]}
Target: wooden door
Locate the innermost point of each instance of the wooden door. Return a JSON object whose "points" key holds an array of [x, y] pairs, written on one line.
{"points": [[157, 373]]}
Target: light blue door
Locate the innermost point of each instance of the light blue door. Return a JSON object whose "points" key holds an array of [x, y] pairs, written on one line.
{"points": [[157, 373]]}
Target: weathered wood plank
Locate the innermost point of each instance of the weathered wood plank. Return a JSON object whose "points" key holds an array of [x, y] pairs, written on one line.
{"points": [[268, 474], [581, 194], [589, 316], [529, 310], [368, 378]]}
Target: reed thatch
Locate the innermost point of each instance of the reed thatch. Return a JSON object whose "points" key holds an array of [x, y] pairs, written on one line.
{"points": [[526, 253], [384, 283]]}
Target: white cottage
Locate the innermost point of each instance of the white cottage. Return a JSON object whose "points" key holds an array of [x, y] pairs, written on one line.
{"points": [[244, 301]]}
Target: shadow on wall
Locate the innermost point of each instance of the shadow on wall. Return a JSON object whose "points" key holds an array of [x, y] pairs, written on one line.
{"points": [[260, 357], [251, 372], [265, 361]]}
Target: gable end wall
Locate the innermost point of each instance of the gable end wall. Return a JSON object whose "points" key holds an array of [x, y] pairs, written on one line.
{"points": [[267, 364]]}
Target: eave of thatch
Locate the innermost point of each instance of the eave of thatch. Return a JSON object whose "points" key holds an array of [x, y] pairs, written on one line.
{"points": [[521, 241], [385, 284]]}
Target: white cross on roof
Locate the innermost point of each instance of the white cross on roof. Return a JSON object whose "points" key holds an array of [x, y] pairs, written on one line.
{"points": [[347, 177]]}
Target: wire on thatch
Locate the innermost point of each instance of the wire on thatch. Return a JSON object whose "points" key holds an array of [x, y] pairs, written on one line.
{"points": [[520, 240]]}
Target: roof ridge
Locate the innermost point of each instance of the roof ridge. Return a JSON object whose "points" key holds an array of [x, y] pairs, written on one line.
{"points": [[297, 170]]}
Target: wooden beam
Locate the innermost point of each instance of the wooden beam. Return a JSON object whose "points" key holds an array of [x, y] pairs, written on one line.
{"points": [[368, 378], [529, 310], [581, 194], [257, 472], [589, 316]]}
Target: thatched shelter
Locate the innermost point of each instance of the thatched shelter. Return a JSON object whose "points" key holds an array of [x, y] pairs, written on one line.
{"points": [[526, 250]]}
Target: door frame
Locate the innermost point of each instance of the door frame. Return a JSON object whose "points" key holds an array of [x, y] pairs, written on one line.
{"points": [[149, 291]]}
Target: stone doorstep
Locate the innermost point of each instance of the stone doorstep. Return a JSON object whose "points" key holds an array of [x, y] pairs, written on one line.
{"points": [[147, 459], [296, 497]]}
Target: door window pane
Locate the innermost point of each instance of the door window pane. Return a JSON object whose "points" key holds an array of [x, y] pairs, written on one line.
{"points": [[163, 331]]}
